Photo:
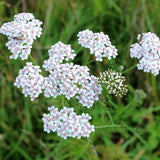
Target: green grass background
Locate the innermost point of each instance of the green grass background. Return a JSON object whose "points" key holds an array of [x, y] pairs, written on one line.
{"points": [[137, 114]]}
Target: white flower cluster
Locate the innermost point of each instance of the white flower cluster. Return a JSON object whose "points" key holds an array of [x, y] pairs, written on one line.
{"points": [[98, 43], [114, 82], [21, 33], [66, 123], [148, 51], [89, 91], [64, 79], [30, 80], [60, 52], [70, 80]]}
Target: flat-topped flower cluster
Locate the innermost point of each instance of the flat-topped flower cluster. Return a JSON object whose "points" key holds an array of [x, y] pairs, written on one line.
{"points": [[67, 123], [30, 80], [68, 79], [148, 51], [72, 80], [98, 43], [64, 78], [21, 33]]}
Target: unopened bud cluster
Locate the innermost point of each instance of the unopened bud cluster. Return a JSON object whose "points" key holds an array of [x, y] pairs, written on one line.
{"points": [[113, 82], [148, 51], [21, 33], [67, 123], [98, 43]]}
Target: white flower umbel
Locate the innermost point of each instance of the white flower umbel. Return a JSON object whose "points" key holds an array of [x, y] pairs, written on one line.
{"points": [[60, 52], [63, 79], [67, 123], [98, 43], [71, 80], [68, 79], [89, 91], [148, 51], [21, 33], [114, 82], [30, 80]]}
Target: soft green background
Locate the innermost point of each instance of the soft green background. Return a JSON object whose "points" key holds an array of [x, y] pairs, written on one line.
{"points": [[138, 116]]}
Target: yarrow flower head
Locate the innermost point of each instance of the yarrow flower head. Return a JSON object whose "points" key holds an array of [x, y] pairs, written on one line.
{"points": [[60, 52], [113, 81], [70, 80], [98, 43], [30, 81], [67, 123], [89, 91], [148, 51], [21, 33]]}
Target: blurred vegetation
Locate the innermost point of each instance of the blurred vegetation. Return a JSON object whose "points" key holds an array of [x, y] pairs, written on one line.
{"points": [[136, 117]]}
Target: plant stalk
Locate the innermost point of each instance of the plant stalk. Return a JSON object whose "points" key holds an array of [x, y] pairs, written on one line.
{"points": [[129, 69]]}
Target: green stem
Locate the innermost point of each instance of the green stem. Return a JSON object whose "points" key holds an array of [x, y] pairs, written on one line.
{"points": [[107, 126], [129, 69], [31, 58], [153, 82], [62, 100], [90, 62], [110, 116]]}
